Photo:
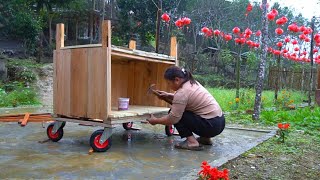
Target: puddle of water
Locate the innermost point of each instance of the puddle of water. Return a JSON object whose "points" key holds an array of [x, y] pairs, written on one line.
{"points": [[148, 154]]}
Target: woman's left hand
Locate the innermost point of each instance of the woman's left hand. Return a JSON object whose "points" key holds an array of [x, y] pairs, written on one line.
{"points": [[152, 120]]}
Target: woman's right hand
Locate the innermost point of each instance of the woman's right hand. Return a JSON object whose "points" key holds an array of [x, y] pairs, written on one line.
{"points": [[163, 94]]}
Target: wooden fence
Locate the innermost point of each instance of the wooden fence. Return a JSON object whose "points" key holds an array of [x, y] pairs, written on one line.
{"points": [[293, 79]]}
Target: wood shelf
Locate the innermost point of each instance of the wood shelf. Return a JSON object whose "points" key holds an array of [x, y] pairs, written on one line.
{"points": [[130, 54]]}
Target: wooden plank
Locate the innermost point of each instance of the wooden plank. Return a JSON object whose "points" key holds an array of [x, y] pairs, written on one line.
{"points": [[108, 57], [120, 82], [88, 122], [83, 46], [135, 57], [25, 119], [131, 82], [137, 111], [97, 80], [55, 103], [62, 82], [79, 82], [59, 36], [174, 49]]}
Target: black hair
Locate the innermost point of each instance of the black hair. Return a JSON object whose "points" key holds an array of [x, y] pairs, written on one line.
{"points": [[174, 71]]}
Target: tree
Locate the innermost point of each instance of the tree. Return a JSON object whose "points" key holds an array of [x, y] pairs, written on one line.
{"points": [[262, 66]]}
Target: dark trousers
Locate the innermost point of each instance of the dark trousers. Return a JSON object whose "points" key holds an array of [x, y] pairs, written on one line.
{"points": [[191, 123]]}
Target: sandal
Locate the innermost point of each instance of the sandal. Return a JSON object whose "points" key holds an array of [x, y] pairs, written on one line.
{"points": [[184, 145], [204, 140]]}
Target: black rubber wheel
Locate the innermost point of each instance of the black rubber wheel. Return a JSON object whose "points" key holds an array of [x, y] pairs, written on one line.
{"points": [[169, 130], [127, 126], [63, 124], [95, 144], [54, 137]]}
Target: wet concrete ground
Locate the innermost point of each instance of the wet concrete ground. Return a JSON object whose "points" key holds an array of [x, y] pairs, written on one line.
{"points": [[147, 154]]}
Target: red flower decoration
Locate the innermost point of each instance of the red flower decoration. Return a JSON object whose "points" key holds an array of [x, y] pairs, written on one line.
{"points": [[315, 51], [296, 49]]}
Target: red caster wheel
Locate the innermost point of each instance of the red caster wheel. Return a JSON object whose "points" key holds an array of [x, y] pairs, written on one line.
{"points": [[170, 130], [95, 144], [54, 137], [127, 126]]}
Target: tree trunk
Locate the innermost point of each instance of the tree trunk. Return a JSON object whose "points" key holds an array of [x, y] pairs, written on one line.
{"points": [[311, 63], [77, 24], [302, 79], [238, 78], [3, 70], [262, 66], [158, 25], [50, 29], [292, 76], [277, 81], [91, 21]]}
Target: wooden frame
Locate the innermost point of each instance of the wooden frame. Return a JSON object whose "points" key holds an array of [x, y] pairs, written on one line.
{"points": [[89, 79]]}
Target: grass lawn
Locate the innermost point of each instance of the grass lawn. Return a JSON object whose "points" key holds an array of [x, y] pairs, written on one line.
{"points": [[226, 98], [297, 158]]}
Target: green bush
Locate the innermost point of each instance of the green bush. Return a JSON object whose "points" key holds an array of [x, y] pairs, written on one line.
{"points": [[17, 97]]}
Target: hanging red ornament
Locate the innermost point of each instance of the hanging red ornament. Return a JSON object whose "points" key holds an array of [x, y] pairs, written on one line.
{"points": [[179, 23], [249, 8], [274, 11], [293, 27], [271, 16], [216, 32], [294, 42], [279, 31], [186, 21], [258, 33], [227, 37], [279, 44], [281, 21], [287, 39], [315, 51], [248, 32], [302, 36], [236, 30], [276, 52], [165, 17], [302, 28]]}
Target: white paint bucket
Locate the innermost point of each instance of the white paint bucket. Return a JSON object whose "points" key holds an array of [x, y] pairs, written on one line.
{"points": [[123, 104]]}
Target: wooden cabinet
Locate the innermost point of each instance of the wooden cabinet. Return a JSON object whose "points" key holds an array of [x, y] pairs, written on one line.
{"points": [[89, 79]]}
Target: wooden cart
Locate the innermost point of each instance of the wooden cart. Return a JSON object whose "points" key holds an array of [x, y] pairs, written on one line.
{"points": [[89, 79]]}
